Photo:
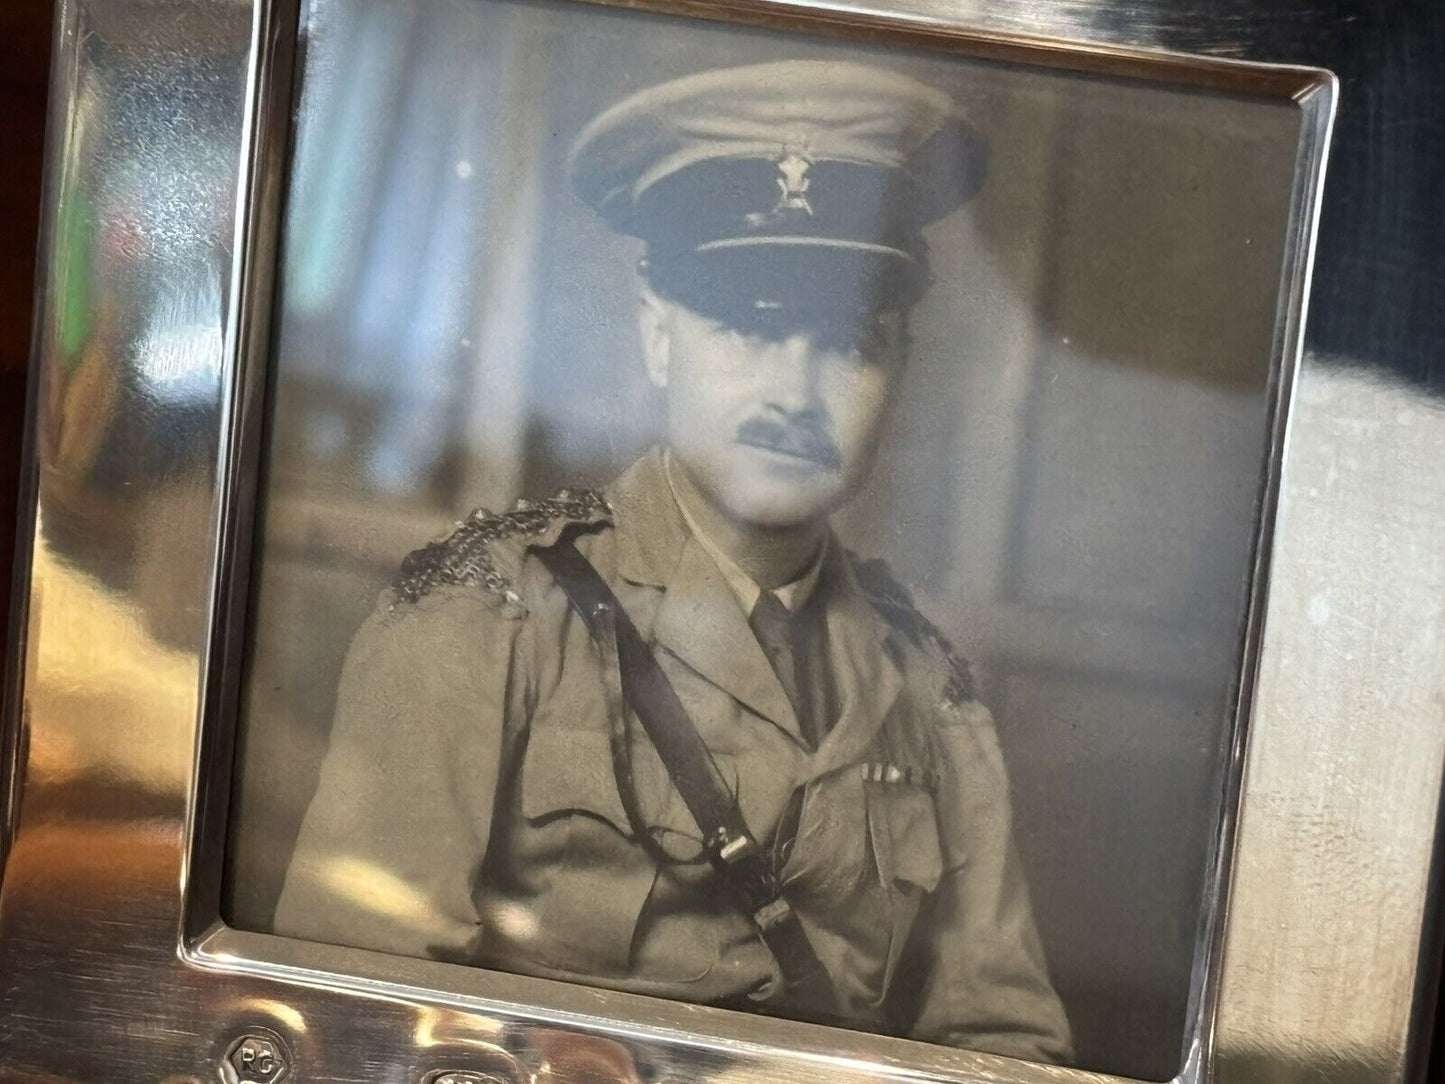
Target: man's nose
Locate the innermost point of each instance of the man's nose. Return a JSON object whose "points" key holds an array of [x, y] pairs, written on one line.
{"points": [[793, 366]]}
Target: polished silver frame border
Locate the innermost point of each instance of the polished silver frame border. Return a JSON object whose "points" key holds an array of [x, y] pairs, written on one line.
{"points": [[1261, 1007]]}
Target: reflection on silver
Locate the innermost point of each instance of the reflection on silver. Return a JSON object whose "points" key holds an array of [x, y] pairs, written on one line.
{"points": [[1345, 757], [1343, 774]]}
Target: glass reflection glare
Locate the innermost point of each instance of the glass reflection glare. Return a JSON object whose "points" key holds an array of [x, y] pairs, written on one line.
{"points": [[455, 329]]}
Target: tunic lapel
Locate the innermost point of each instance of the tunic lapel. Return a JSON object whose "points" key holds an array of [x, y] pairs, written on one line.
{"points": [[698, 618], [701, 623]]}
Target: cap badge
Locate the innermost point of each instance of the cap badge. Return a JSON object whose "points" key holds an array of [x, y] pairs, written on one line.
{"points": [[793, 184]]}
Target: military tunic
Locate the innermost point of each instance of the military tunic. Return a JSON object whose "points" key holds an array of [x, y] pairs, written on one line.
{"points": [[468, 806]]}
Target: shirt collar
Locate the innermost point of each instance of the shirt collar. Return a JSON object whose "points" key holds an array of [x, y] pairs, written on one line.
{"points": [[794, 595]]}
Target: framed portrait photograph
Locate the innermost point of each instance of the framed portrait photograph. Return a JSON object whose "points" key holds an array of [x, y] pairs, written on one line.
{"points": [[677, 542]]}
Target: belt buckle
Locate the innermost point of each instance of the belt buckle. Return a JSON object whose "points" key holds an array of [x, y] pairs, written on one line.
{"points": [[733, 849], [773, 913]]}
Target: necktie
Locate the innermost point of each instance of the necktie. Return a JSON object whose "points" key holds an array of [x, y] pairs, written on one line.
{"points": [[776, 631]]}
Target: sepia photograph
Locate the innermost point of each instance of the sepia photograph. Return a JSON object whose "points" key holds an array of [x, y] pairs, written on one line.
{"points": [[761, 520], [720, 541]]}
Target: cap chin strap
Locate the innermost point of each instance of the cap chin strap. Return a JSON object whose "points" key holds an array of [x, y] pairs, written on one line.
{"points": [[803, 241]]}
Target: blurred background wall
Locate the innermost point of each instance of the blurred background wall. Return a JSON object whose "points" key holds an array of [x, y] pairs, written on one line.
{"points": [[1071, 487]]}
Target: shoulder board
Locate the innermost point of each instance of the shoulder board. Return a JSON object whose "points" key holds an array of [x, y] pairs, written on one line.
{"points": [[464, 557], [892, 600]]}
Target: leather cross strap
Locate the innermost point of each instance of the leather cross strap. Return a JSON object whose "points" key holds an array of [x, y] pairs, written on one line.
{"points": [[730, 847]]}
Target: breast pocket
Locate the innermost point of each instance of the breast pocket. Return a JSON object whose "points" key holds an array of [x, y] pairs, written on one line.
{"points": [[903, 829], [569, 770], [590, 876]]}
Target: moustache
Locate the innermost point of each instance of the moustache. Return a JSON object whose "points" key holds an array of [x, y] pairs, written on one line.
{"points": [[802, 439]]}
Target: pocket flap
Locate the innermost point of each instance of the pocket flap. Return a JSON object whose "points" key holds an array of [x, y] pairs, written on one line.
{"points": [[904, 829], [569, 770]]}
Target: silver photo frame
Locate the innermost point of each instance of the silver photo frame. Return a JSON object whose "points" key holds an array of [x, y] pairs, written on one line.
{"points": [[1317, 949]]}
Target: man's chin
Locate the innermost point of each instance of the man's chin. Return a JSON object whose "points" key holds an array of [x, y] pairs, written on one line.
{"points": [[754, 490], [774, 506]]}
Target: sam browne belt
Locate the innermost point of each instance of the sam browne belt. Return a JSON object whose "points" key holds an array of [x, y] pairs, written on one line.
{"points": [[730, 846]]}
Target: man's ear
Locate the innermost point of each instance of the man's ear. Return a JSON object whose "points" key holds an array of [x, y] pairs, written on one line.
{"points": [[652, 324]]}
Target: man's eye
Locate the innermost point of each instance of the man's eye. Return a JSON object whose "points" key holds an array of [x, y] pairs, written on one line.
{"points": [[753, 339], [868, 338]]}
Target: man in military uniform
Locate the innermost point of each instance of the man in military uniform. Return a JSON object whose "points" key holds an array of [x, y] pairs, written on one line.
{"points": [[672, 737]]}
